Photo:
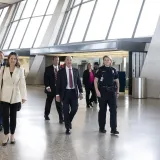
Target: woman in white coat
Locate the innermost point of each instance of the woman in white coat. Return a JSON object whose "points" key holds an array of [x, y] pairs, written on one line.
{"points": [[13, 93]]}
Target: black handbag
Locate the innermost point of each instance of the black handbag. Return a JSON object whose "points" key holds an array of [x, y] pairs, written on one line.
{"points": [[19, 106]]}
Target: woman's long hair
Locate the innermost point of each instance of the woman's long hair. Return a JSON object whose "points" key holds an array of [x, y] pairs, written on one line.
{"points": [[17, 59], [88, 65]]}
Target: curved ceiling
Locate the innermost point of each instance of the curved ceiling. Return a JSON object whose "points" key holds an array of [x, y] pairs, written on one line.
{"points": [[4, 3]]}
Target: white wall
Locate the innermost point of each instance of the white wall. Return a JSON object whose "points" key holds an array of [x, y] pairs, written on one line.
{"points": [[151, 67]]}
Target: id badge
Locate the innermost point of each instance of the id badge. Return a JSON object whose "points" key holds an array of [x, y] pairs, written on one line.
{"points": [[101, 79]]}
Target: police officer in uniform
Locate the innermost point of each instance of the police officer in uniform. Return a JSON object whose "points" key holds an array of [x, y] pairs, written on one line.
{"points": [[107, 92]]}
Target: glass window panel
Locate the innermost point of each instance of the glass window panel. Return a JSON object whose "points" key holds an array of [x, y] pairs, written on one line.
{"points": [[42, 31], [148, 19], [41, 7], [82, 21], [29, 8], [61, 34], [31, 32], [3, 14], [125, 19], [10, 35], [77, 2], [85, 0], [19, 34], [1, 11], [72, 3], [20, 9], [99, 26], [69, 25], [52, 6]]}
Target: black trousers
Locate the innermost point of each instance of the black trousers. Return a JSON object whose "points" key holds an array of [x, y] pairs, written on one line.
{"points": [[109, 98], [90, 89], [48, 104], [1, 107], [9, 110], [70, 106]]}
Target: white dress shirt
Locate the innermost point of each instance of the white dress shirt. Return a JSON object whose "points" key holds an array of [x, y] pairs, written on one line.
{"points": [[67, 72], [55, 67]]}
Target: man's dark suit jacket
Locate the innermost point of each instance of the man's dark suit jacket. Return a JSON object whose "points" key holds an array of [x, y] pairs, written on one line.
{"points": [[49, 80], [86, 76], [62, 82]]}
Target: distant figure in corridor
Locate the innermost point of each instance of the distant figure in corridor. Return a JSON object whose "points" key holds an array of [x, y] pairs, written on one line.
{"points": [[68, 84], [88, 81], [50, 78], [96, 67], [13, 93]]}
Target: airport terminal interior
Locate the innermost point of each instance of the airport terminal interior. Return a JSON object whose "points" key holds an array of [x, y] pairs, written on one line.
{"points": [[86, 30]]}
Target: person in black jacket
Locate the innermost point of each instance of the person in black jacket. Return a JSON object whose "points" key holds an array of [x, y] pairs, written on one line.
{"points": [[68, 85], [88, 81], [1, 64], [50, 78]]}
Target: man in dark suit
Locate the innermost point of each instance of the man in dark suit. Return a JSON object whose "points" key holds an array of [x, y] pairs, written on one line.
{"points": [[50, 78], [1, 64], [69, 89], [88, 81]]}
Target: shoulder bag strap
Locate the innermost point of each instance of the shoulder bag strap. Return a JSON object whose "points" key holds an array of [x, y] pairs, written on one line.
{"points": [[2, 78]]}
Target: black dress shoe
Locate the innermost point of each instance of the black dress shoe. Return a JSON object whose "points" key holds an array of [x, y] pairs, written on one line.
{"points": [[4, 144], [114, 132], [70, 126], [61, 121], [47, 118], [68, 131], [13, 141], [91, 104], [102, 131], [1, 127]]}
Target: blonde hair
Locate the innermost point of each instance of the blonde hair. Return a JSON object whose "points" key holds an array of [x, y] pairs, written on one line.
{"points": [[88, 65], [109, 57]]}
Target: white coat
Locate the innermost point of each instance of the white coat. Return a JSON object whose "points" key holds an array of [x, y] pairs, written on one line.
{"points": [[12, 88]]}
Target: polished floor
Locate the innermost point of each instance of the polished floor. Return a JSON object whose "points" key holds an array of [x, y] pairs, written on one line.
{"points": [[36, 139]]}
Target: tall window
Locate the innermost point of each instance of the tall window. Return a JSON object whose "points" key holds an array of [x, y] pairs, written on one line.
{"points": [[148, 19], [125, 19], [90, 20], [82, 21], [3, 14], [69, 25], [28, 26], [101, 20]]}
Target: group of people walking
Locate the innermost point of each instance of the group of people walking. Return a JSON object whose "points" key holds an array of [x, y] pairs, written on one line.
{"points": [[62, 84], [65, 86]]}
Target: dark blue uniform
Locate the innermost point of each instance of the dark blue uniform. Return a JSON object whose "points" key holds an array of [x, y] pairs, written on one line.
{"points": [[106, 85]]}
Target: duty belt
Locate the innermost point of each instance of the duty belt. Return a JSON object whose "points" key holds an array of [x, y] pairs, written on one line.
{"points": [[110, 88]]}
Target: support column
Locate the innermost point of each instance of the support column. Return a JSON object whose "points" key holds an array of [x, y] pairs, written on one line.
{"points": [[52, 31], [36, 72]]}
